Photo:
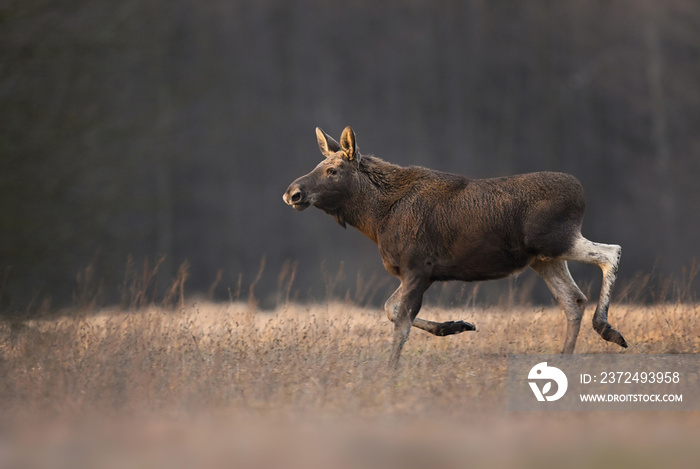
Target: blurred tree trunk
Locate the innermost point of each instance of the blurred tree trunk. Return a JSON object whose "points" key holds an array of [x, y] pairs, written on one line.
{"points": [[165, 109], [659, 132]]}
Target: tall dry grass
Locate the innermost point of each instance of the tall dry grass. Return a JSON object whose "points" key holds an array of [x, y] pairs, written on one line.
{"points": [[213, 376]]}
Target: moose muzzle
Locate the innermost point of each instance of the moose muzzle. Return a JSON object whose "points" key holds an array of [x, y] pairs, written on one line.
{"points": [[296, 197]]}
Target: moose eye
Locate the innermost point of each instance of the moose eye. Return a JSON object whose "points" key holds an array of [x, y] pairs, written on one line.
{"points": [[331, 171]]}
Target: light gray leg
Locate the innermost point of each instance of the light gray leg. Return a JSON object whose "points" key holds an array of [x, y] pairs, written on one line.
{"points": [[557, 277], [404, 305], [607, 257]]}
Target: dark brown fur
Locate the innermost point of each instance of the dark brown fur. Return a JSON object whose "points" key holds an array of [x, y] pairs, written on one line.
{"points": [[433, 226]]}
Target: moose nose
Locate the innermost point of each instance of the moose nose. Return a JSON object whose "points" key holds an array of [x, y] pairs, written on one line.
{"points": [[294, 195]]}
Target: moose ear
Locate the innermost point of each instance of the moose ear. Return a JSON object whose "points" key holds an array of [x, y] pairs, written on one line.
{"points": [[348, 145], [326, 143]]}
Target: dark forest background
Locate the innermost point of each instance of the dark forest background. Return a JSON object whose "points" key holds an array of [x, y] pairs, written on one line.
{"points": [[135, 129]]}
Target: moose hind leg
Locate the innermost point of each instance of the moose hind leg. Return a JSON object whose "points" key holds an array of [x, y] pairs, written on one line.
{"points": [[558, 278], [607, 257]]}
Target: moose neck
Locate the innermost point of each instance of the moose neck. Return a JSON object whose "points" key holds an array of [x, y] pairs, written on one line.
{"points": [[375, 193]]}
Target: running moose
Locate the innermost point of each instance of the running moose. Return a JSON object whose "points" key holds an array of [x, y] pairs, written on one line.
{"points": [[431, 226]]}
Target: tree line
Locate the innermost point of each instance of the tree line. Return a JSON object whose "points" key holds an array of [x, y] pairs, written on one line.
{"points": [[167, 131]]}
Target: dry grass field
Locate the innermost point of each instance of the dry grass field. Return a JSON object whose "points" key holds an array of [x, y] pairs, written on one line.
{"points": [[223, 385]]}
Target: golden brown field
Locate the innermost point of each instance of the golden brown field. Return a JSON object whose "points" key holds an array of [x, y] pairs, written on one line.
{"points": [[221, 385]]}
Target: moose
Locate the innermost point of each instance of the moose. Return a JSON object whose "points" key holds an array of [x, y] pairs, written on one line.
{"points": [[436, 226]]}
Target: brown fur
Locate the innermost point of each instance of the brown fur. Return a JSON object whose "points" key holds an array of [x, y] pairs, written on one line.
{"points": [[433, 226]]}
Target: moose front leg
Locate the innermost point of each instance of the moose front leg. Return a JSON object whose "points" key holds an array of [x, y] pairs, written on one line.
{"points": [[403, 307], [405, 304], [442, 329], [436, 328]]}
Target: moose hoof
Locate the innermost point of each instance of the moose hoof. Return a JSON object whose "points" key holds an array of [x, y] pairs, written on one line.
{"points": [[611, 335], [454, 327], [619, 340]]}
